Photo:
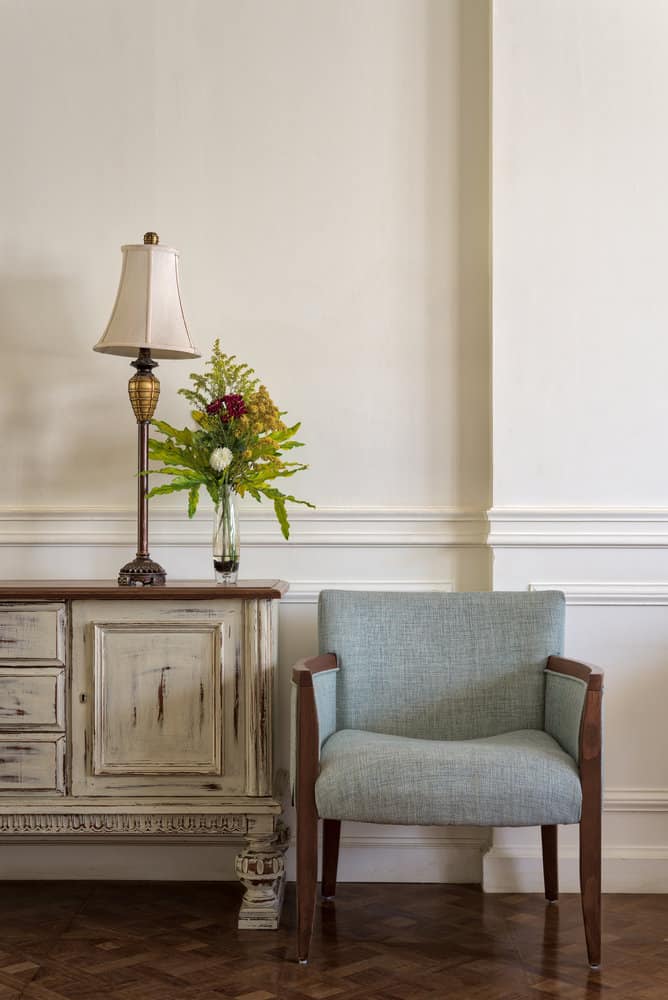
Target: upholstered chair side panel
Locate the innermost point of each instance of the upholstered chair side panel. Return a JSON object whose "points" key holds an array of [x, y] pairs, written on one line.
{"points": [[564, 705], [324, 689]]}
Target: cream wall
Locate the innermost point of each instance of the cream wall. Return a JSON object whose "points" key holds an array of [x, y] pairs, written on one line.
{"points": [[579, 317], [580, 216], [323, 168]]}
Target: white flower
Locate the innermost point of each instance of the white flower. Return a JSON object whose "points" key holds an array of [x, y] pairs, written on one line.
{"points": [[220, 458]]}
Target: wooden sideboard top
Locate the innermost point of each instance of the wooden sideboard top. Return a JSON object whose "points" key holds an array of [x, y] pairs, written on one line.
{"points": [[193, 590]]}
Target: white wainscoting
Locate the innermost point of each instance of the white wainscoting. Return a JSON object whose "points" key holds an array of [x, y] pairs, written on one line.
{"points": [[612, 567], [418, 549], [372, 853], [604, 560]]}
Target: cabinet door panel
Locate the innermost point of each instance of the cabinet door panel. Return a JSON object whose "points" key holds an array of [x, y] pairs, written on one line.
{"points": [[157, 698], [157, 701]]}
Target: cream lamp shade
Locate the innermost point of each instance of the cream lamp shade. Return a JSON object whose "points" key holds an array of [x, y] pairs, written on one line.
{"points": [[148, 312]]}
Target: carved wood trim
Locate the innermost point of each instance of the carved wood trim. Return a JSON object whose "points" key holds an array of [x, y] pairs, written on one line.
{"points": [[124, 824]]}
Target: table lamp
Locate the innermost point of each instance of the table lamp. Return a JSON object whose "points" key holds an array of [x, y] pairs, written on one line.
{"points": [[146, 322]]}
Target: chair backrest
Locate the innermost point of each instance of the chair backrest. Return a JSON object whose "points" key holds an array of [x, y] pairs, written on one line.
{"points": [[441, 666]]}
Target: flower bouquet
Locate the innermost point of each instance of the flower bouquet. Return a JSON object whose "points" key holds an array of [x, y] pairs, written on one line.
{"points": [[236, 448]]}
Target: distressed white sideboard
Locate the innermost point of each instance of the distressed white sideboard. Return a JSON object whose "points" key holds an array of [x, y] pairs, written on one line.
{"points": [[144, 712]]}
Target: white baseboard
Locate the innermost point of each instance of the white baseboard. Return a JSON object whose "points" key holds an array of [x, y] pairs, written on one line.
{"points": [[145, 862], [374, 859], [362, 859], [625, 869], [385, 858]]}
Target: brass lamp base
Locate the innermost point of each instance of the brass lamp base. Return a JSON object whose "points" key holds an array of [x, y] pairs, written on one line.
{"points": [[142, 572], [144, 390]]}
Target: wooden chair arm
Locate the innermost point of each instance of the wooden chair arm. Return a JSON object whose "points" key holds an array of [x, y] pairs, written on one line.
{"points": [[591, 779], [590, 753], [307, 726], [303, 670], [591, 726], [592, 676], [307, 767]]}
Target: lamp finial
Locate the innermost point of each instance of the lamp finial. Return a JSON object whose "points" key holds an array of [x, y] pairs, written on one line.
{"points": [[152, 238]]}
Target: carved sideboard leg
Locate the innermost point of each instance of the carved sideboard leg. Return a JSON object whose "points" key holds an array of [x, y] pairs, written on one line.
{"points": [[260, 868]]}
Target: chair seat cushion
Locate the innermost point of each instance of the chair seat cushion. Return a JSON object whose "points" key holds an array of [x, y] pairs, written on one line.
{"points": [[521, 778]]}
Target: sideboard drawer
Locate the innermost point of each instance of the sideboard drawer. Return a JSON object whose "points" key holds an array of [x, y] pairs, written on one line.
{"points": [[32, 762], [32, 698], [33, 632]]}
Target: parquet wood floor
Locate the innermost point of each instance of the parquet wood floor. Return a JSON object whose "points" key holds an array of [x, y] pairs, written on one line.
{"points": [[83, 941]]}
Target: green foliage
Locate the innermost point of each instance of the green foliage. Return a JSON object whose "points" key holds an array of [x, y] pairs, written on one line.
{"points": [[256, 438], [224, 377]]}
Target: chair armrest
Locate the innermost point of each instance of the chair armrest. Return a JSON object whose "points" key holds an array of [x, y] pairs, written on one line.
{"points": [[313, 717], [308, 668], [318, 674], [573, 697], [592, 676]]}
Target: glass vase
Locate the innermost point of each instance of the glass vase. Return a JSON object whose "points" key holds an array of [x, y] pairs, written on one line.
{"points": [[226, 537]]}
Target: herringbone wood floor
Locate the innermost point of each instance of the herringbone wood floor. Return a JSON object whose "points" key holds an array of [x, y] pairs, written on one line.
{"points": [[380, 942]]}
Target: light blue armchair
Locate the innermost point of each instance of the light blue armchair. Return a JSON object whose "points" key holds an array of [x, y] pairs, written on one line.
{"points": [[446, 709]]}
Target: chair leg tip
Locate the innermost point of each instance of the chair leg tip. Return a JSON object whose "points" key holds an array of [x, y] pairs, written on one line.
{"points": [[302, 961], [553, 902], [594, 965], [328, 899]]}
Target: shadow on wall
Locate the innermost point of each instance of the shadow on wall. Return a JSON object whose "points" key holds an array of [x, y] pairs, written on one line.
{"points": [[59, 444], [457, 191]]}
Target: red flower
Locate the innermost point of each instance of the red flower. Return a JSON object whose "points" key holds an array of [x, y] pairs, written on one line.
{"points": [[215, 407], [234, 407]]}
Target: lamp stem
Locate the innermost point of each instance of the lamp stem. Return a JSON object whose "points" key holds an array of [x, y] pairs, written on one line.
{"points": [[142, 489], [143, 389]]}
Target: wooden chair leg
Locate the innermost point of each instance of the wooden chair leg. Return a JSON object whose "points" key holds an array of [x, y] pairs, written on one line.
{"points": [[307, 878], [548, 836], [331, 835], [590, 879]]}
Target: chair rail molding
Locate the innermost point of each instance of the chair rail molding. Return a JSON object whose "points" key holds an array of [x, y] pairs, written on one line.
{"points": [[596, 594], [635, 800], [584, 527], [308, 591], [359, 527]]}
